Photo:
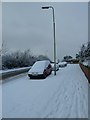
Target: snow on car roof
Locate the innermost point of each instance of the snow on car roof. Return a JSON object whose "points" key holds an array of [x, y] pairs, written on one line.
{"points": [[53, 64], [42, 63], [39, 65], [62, 63]]}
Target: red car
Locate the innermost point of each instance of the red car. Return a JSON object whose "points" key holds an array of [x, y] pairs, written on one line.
{"points": [[40, 69]]}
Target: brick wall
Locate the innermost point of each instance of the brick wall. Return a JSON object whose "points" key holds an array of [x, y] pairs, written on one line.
{"points": [[86, 71]]}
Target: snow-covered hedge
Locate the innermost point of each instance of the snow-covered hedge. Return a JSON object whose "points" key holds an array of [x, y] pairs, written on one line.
{"points": [[86, 63]]}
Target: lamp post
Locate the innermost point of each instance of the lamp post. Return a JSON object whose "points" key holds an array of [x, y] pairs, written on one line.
{"points": [[47, 7]]}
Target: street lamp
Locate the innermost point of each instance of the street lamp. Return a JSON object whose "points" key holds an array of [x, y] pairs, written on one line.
{"points": [[47, 7]]}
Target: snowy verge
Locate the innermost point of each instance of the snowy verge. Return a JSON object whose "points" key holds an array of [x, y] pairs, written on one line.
{"points": [[9, 73]]}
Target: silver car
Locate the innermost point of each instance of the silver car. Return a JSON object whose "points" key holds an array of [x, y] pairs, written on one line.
{"points": [[62, 64]]}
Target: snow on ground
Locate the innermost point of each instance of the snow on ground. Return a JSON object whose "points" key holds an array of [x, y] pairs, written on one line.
{"points": [[62, 96]]}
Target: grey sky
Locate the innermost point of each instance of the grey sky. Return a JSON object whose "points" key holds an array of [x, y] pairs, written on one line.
{"points": [[27, 26]]}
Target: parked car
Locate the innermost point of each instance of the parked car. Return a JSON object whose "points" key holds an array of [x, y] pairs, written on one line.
{"points": [[62, 64], [57, 67], [40, 69]]}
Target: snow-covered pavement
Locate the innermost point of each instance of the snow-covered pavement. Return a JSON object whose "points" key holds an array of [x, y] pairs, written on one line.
{"points": [[62, 96]]}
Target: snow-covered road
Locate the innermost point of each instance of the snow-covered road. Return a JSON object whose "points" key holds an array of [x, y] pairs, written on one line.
{"points": [[62, 96]]}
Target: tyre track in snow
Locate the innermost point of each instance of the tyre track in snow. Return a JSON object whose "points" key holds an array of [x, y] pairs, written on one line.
{"points": [[76, 103], [54, 98], [61, 95]]}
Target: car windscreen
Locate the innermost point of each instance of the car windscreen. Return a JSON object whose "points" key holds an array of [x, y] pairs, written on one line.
{"points": [[38, 66]]}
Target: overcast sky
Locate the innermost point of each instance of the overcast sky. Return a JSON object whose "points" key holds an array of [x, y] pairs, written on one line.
{"points": [[26, 26]]}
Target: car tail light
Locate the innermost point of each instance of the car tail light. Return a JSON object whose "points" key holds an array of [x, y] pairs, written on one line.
{"points": [[44, 71]]}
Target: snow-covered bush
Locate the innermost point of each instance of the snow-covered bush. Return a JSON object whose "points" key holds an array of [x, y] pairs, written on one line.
{"points": [[20, 59], [84, 54], [17, 59]]}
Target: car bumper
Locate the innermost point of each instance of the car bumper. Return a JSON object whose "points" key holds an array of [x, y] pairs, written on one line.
{"points": [[36, 76]]}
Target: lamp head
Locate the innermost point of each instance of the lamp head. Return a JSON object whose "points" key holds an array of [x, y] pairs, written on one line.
{"points": [[45, 7]]}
